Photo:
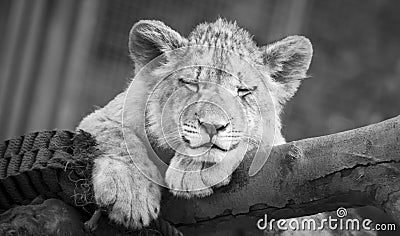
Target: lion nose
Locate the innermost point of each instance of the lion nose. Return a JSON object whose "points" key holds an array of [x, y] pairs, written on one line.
{"points": [[213, 128]]}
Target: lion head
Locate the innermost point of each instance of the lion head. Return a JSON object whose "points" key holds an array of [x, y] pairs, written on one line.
{"points": [[214, 92]]}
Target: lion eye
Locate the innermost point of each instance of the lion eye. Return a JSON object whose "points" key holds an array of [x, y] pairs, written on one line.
{"points": [[242, 92], [191, 85]]}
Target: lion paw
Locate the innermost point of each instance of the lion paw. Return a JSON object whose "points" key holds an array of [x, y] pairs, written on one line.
{"points": [[132, 199], [184, 179]]}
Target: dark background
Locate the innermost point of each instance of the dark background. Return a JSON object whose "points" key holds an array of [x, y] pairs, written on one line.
{"points": [[60, 59]]}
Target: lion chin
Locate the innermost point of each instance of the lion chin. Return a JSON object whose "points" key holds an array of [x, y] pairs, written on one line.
{"points": [[197, 175]]}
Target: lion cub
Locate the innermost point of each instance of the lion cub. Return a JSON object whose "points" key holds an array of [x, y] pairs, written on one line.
{"points": [[200, 103]]}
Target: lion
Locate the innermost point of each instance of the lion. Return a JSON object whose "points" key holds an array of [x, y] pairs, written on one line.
{"points": [[200, 118]]}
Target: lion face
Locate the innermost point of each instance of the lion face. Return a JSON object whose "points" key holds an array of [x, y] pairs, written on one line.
{"points": [[203, 112]]}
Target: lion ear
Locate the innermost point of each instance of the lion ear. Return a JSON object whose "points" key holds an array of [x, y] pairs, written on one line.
{"points": [[149, 39], [288, 61]]}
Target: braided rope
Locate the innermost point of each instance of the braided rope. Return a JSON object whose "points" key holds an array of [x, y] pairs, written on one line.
{"points": [[37, 164], [53, 164]]}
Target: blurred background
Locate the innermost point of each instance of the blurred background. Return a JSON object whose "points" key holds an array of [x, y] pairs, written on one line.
{"points": [[61, 59]]}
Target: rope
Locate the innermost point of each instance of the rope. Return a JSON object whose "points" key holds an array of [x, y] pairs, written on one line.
{"points": [[53, 164], [165, 228], [30, 164]]}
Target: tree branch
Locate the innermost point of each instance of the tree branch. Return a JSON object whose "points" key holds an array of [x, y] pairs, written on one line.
{"points": [[348, 169]]}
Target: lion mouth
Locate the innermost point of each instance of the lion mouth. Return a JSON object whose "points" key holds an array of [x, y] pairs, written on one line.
{"points": [[213, 146], [209, 146]]}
